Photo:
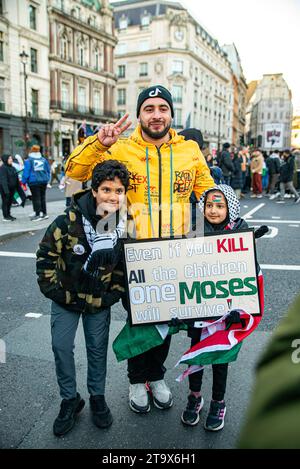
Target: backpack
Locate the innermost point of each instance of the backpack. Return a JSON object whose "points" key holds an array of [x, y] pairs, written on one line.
{"points": [[38, 167]]}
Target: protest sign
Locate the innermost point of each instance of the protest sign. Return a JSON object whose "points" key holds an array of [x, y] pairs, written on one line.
{"points": [[200, 278]]}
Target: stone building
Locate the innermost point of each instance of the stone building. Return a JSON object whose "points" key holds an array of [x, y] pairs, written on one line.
{"points": [[82, 76], [160, 42]]}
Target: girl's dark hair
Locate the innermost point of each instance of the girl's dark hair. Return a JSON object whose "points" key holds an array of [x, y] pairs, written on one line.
{"points": [[108, 171]]}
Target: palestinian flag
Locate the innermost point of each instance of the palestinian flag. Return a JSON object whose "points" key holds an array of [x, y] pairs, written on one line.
{"points": [[218, 345]]}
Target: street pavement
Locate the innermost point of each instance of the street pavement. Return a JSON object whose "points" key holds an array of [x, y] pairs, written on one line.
{"points": [[29, 394]]}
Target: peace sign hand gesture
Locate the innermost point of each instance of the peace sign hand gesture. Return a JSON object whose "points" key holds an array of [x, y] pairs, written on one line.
{"points": [[109, 133]]}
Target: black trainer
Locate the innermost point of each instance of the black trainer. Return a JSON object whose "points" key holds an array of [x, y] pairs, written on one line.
{"points": [[216, 416], [190, 416], [101, 415], [69, 408]]}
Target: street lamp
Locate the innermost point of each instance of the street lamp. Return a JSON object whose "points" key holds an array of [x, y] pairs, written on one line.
{"points": [[24, 58], [219, 131]]}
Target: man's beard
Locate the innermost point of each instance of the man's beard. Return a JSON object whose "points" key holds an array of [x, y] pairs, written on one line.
{"points": [[155, 135]]}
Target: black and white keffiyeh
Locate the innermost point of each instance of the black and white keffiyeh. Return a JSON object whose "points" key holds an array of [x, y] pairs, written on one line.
{"points": [[103, 241]]}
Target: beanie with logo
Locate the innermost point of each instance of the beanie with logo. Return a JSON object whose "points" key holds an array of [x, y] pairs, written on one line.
{"points": [[156, 91]]}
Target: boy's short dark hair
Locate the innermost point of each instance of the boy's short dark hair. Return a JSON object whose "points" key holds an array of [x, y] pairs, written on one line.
{"points": [[108, 171]]}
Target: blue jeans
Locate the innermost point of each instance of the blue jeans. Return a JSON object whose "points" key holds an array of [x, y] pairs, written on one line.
{"points": [[64, 325]]}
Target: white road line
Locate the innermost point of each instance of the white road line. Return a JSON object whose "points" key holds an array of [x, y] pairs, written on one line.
{"points": [[274, 221], [276, 218], [255, 209], [279, 267], [33, 315], [294, 226], [17, 254]]}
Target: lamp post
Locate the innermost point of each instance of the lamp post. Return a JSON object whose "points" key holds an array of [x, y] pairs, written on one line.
{"points": [[24, 58], [219, 129]]}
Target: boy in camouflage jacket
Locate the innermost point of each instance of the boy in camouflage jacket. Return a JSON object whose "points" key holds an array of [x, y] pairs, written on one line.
{"points": [[79, 268]]}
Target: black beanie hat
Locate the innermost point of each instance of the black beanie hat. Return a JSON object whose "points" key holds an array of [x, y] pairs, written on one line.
{"points": [[156, 91]]}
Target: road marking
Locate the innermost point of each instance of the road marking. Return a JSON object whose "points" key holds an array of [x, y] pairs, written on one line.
{"points": [[276, 218], [272, 231], [279, 267], [294, 226], [255, 209], [17, 254], [275, 221], [33, 315]]}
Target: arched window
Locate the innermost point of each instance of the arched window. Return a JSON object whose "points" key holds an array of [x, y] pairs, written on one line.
{"points": [[64, 46], [97, 59], [81, 53]]}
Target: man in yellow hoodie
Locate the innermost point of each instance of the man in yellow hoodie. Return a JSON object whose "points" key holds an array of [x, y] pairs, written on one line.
{"points": [[164, 170]]}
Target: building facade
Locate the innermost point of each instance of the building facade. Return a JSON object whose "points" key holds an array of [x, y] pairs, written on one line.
{"points": [[237, 95], [24, 81], [160, 42], [270, 113], [82, 76]]}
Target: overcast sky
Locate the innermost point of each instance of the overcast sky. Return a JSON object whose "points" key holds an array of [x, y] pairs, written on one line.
{"points": [[266, 34]]}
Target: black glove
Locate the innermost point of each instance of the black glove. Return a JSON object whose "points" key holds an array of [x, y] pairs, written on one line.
{"points": [[234, 317], [100, 258], [90, 284], [175, 322]]}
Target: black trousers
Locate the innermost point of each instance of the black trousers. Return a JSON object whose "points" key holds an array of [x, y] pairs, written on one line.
{"points": [[7, 200], [38, 192], [219, 373], [149, 366]]}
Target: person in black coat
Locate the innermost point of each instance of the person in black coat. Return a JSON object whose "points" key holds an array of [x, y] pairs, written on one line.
{"points": [[237, 175], [226, 163], [286, 176], [9, 184]]}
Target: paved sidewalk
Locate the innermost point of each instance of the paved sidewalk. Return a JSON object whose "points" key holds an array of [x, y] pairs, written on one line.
{"points": [[23, 222]]}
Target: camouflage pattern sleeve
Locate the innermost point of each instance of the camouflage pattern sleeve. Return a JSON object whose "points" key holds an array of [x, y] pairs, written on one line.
{"points": [[49, 257]]}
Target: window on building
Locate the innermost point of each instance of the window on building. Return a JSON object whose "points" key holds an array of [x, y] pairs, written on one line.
{"points": [[195, 98], [34, 103], [123, 22], [33, 60], [65, 95], [32, 17], [61, 4], [97, 102], [1, 47], [121, 96], [177, 118], [281, 102], [97, 59], [143, 69], [177, 66], [287, 115], [144, 45], [121, 71], [2, 99], [121, 48], [177, 91], [262, 116], [81, 54], [64, 47], [275, 115], [281, 115], [196, 73], [269, 115], [82, 99], [145, 20]]}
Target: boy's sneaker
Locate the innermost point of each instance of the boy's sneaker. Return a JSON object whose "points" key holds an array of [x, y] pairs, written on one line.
{"points": [[138, 398], [101, 414], [190, 416], [69, 408], [216, 415], [162, 396]]}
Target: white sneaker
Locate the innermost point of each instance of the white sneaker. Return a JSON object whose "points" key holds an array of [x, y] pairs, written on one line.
{"points": [[162, 396], [274, 196], [259, 196], [138, 398]]}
